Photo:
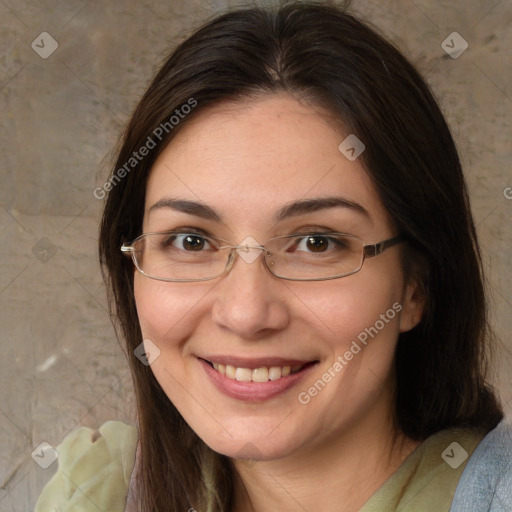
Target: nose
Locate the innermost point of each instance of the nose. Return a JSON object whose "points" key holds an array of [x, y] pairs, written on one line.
{"points": [[249, 301]]}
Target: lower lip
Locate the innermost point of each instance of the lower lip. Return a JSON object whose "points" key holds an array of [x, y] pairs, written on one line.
{"points": [[253, 391]]}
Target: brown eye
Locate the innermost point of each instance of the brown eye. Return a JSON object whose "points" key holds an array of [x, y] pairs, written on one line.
{"points": [[317, 243], [193, 243], [188, 242], [321, 244]]}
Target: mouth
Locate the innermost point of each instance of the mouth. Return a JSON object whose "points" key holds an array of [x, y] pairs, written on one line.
{"points": [[258, 372]]}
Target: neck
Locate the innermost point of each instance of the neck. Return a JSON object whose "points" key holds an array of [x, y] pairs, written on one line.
{"points": [[338, 475]]}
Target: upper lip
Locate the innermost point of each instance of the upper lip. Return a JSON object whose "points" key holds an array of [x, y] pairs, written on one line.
{"points": [[255, 362]]}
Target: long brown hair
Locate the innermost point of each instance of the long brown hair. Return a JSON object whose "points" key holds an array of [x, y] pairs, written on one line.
{"points": [[319, 50]]}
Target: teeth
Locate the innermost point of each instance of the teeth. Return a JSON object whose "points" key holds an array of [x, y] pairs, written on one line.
{"points": [[243, 374], [274, 373], [262, 374], [259, 375]]}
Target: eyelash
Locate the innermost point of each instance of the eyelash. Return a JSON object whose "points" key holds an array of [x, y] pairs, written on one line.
{"points": [[192, 230], [302, 230]]}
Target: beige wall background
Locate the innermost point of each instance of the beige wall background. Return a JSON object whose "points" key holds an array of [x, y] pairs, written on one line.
{"points": [[60, 116]]}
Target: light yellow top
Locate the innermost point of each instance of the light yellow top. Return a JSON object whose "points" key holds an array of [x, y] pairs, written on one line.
{"points": [[427, 479], [94, 470], [95, 467]]}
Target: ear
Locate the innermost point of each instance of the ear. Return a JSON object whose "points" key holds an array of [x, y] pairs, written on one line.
{"points": [[413, 304]]}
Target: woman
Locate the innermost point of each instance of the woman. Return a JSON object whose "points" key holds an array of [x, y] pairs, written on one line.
{"points": [[293, 265]]}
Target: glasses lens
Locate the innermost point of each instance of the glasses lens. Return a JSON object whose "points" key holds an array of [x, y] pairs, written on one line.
{"points": [[179, 256], [315, 256]]}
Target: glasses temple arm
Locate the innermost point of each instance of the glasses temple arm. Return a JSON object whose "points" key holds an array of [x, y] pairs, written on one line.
{"points": [[376, 249]]}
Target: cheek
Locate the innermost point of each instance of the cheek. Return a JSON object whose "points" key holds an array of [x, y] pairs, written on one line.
{"points": [[358, 326], [168, 314], [333, 312], [165, 309], [348, 309]]}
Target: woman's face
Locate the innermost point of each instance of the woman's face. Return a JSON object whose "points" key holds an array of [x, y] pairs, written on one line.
{"points": [[245, 161]]}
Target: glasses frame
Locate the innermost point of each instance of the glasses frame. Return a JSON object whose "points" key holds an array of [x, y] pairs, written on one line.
{"points": [[369, 251]]}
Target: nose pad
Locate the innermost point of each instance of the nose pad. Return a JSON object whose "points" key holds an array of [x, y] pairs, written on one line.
{"points": [[268, 259]]}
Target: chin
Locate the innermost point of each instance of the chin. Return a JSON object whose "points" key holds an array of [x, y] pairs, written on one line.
{"points": [[250, 445]]}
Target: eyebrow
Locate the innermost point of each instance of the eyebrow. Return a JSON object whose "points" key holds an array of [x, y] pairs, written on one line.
{"points": [[190, 207], [312, 205], [292, 209]]}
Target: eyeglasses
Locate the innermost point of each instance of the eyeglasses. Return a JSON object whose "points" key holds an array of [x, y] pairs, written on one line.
{"points": [[189, 256]]}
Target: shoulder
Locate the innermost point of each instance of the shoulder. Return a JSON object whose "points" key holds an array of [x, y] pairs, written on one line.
{"points": [[94, 468], [486, 483], [429, 475]]}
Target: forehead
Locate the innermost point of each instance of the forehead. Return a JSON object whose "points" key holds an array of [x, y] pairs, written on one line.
{"points": [[247, 159]]}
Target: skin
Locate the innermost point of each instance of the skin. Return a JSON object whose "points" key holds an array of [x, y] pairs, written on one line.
{"points": [[246, 160]]}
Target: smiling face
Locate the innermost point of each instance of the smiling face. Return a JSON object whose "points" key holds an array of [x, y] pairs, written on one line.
{"points": [[247, 162]]}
